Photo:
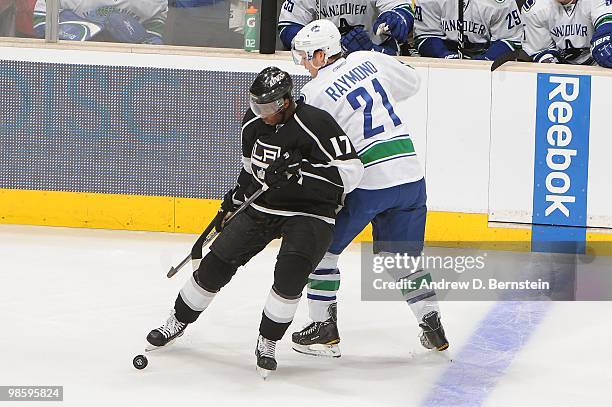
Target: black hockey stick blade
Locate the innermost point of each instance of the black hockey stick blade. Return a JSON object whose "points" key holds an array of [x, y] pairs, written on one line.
{"points": [[174, 270], [510, 56]]}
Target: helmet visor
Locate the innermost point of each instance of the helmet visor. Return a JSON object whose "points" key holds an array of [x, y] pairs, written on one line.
{"points": [[298, 56], [266, 109]]}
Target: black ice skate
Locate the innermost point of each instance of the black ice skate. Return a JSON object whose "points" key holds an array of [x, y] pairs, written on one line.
{"points": [[319, 338], [264, 351], [432, 334], [162, 336]]}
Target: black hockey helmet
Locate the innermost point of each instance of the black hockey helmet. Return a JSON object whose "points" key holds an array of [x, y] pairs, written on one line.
{"points": [[268, 90]]}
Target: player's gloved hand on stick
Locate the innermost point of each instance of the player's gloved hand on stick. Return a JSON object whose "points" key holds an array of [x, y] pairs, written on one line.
{"points": [[231, 202], [395, 25], [358, 39], [548, 56], [601, 47], [285, 170]]}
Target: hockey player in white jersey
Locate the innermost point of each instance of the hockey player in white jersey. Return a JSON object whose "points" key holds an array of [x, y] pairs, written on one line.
{"points": [[569, 31], [379, 25], [129, 21], [366, 93], [491, 28]]}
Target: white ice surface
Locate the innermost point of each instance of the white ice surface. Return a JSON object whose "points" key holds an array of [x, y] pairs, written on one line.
{"points": [[76, 305]]}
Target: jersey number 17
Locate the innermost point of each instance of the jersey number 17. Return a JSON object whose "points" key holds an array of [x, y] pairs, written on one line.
{"points": [[363, 94]]}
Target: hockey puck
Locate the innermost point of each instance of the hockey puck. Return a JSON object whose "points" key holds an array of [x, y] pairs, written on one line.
{"points": [[140, 362]]}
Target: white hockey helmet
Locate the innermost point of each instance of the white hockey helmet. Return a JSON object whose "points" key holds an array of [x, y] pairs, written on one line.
{"points": [[317, 35]]}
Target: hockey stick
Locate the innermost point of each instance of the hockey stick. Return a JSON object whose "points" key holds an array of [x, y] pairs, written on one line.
{"points": [[507, 57], [207, 237], [460, 34], [318, 10]]}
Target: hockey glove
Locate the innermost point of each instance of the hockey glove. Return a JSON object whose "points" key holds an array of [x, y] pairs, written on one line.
{"points": [[436, 48], [601, 46], [125, 28], [231, 201], [284, 170], [548, 56], [496, 50], [73, 27], [395, 24], [358, 40]]}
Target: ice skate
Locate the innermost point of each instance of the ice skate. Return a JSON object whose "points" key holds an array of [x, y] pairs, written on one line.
{"points": [[432, 335], [319, 338], [165, 334], [266, 361]]}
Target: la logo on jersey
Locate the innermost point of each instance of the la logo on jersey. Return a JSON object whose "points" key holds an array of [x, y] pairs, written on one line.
{"points": [[262, 155]]}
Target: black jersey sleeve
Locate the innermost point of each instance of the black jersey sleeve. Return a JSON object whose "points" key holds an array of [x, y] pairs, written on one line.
{"points": [[328, 152]]}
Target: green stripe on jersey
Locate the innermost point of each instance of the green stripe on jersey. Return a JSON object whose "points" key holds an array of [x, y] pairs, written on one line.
{"points": [[386, 149], [606, 18], [324, 285]]}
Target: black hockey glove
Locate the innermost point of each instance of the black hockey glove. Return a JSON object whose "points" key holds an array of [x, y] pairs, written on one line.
{"points": [[231, 201], [285, 170]]}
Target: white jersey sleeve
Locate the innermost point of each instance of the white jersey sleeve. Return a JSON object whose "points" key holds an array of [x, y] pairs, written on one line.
{"points": [[505, 23], [537, 33], [299, 12], [402, 80], [601, 12], [428, 14]]}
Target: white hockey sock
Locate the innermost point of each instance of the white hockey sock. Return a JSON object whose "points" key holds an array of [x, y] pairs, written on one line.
{"points": [[421, 300], [279, 309], [195, 296], [323, 285], [424, 307]]}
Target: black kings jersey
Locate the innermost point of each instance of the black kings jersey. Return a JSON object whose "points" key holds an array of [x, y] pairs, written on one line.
{"points": [[330, 165]]}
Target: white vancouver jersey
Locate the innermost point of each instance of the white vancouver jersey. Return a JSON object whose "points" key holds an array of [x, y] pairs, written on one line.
{"points": [[93, 10], [566, 28], [366, 93], [345, 14], [485, 21]]}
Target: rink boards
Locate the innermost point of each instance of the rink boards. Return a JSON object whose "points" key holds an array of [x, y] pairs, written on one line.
{"points": [[151, 143]]}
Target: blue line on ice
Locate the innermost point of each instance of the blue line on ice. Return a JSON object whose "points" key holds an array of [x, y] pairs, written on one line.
{"points": [[479, 365]]}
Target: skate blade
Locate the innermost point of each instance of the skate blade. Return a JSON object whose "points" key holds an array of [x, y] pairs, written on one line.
{"points": [[319, 350], [442, 348], [151, 348], [264, 373]]}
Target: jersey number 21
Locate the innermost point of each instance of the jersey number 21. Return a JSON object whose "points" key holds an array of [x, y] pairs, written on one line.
{"points": [[363, 94]]}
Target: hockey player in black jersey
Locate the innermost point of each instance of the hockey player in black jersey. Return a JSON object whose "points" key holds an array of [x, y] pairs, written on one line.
{"points": [[308, 163]]}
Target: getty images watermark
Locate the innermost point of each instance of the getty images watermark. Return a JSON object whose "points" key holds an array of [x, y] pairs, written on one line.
{"points": [[483, 273], [404, 265]]}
